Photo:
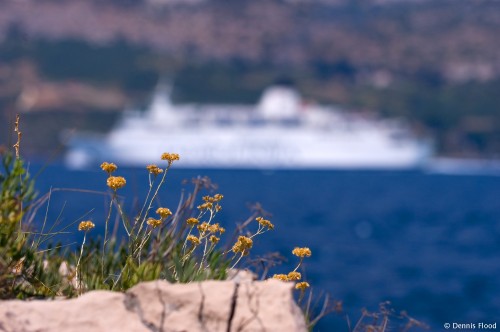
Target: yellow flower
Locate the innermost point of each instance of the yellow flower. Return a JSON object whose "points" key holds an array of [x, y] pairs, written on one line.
{"points": [[116, 182], [164, 212], [203, 227], [242, 245], [153, 169], [294, 276], [302, 285], [218, 208], [282, 277], [170, 157], [206, 205], [245, 241], [108, 167], [302, 252], [86, 226], [214, 239], [194, 240], [192, 221], [216, 228], [265, 223], [237, 247], [153, 222], [215, 198]]}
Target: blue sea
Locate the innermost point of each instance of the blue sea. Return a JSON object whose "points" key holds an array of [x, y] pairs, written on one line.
{"points": [[428, 243]]}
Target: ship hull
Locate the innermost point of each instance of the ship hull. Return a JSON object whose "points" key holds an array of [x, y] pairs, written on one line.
{"points": [[249, 149]]}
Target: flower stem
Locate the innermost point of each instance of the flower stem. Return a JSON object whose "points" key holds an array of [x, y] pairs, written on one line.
{"points": [[78, 274]]}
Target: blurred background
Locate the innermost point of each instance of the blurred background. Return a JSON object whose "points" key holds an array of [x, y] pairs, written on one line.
{"points": [[435, 63], [427, 239]]}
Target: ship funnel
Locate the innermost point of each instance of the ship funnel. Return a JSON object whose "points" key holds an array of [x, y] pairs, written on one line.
{"points": [[161, 108], [278, 102]]}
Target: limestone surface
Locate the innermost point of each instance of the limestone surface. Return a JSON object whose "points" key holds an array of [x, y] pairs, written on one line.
{"points": [[160, 306]]}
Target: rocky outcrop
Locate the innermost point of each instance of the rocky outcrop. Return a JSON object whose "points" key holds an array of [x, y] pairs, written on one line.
{"points": [[161, 306]]}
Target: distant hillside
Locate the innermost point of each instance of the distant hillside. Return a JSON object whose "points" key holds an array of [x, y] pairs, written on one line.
{"points": [[455, 40], [435, 63]]}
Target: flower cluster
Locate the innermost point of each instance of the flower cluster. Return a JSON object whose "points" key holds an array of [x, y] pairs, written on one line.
{"points": [[302, 285], [243, 245], [203, 233], [264, 223], [203, 227], [216, 228], [282, 277], [206, 206], [208, 231], [108, 167], [170, 157], [154, 222], [206, 227], [192, 222], [210, 202], [214, 199], [153, 169], [302, 252], [86, 226], [164, 212], [294, 275], [194, 240], [116, 182]]}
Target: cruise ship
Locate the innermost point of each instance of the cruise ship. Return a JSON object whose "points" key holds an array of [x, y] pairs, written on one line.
{"points": [[280, 132]]}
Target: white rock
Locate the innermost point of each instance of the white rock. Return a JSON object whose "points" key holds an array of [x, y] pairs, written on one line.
{"points": [[161, 306]]}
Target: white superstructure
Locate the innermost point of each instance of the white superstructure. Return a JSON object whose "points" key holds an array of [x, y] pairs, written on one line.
{"points": [[279, 132]]}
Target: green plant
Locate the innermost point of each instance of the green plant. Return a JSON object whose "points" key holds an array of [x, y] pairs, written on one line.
{"points": [[179, 247], [17, 195]]}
